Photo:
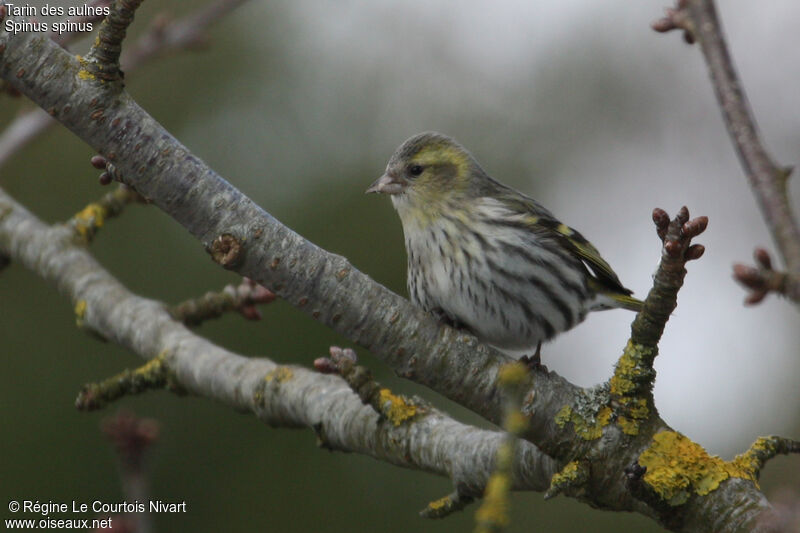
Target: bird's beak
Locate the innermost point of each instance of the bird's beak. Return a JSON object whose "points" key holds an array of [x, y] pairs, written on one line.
{"points": [[386, 184]]}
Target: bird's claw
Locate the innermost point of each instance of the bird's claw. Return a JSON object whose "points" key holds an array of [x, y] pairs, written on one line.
{"points": [[534, 362], [443, 318]]}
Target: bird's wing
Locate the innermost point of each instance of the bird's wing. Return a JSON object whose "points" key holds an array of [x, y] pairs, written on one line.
{"points": [[527, 211], [542, 221], [581, 247]]}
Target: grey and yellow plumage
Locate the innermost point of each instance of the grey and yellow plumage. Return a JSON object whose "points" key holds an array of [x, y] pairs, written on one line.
{"points": [[488, 258]]}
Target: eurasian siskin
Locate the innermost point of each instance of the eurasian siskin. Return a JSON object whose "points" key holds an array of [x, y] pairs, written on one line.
{"points": [[487, 258]]}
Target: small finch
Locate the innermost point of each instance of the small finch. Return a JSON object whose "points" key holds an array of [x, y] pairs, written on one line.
{"points": [[486, 258]]}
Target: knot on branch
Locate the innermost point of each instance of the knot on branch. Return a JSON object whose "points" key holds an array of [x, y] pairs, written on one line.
{"points": [[227, 251]]}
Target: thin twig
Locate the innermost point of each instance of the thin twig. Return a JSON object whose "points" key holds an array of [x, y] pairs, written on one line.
{"points": [[102, 62], [767, 179]]}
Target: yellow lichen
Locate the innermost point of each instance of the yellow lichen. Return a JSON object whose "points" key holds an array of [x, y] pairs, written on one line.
{"points": [[627, 425], [678, 467], [505, 455], [91, 217], [440, 503], [516, 423], [571, 474], [153, 367], [279, 374], [602, 420], [748, 462], [563, 416], [258, 398], [512, 374], [570, 480], [396, 408], [494, 509], [83, 73], [636, 410], [80, 312], [585, 428], [630, 369]]}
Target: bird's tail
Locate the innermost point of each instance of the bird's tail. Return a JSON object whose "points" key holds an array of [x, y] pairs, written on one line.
{"points": [[607, 298], [626, 301]]}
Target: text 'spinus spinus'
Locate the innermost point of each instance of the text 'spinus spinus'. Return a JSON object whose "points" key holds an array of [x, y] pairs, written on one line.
{"points": [[487, 258]]}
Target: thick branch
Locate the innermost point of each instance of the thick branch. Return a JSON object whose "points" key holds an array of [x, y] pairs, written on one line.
{"points": [[286, 396], [245, 238]]}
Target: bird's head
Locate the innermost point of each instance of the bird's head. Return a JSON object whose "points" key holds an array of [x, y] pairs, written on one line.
{"points": [[427, 170]]}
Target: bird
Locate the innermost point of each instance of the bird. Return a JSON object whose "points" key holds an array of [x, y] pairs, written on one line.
{"points": [[488, 259]]}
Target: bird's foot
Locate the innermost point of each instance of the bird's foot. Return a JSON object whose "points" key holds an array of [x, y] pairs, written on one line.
{"points": [[448, 320], [534, 362]]}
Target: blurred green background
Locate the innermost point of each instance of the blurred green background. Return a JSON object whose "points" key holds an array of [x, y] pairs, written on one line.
{"points": [[299, 105]]}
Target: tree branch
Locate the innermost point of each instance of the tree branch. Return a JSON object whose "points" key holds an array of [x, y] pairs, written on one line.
{"points": [[565, 421], [767, 180], [284, 396], [243, 237], [102, 62]]}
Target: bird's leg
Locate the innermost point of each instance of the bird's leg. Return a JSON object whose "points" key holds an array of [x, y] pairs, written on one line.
{"points": [[534, 362], [446, 319]]}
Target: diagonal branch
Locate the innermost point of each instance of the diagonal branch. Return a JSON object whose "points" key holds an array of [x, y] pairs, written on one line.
{"points": [[243, 237], [285, 396]]}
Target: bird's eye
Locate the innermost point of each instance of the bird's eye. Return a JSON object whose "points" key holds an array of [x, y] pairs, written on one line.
{"points": [[415, 170]]}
